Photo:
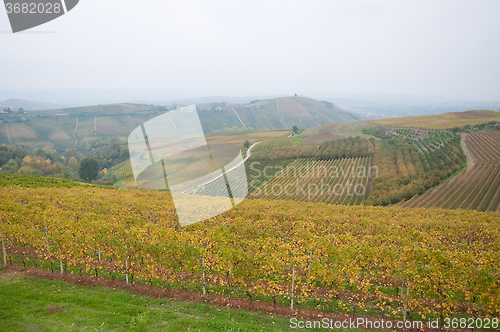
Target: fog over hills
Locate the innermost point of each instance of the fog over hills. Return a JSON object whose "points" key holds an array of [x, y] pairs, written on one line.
{"points": [[16, 104], [391, 105], [366, 104]]}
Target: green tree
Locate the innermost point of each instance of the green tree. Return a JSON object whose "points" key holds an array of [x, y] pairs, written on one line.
{"points": [[246, 144], [295, 129], [70, 153], [10, 167], [89, 168]]}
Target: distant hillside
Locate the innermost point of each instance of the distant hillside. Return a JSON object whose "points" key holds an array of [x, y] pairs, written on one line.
{"points": [[15, 104], [84, 128], [442, 121], [109, 109], [90, 126], [276, 113]]}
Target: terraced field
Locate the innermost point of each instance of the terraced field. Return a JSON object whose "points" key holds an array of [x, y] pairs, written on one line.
{"points": [[114, 125], [317, 139], [295, 114], [21, 134], [329, 132], [477, 188], [279, 143], [350, 128], [291, 108], [251, 136], [338, 181], [85, 127], [259, 172], [485, 146]]}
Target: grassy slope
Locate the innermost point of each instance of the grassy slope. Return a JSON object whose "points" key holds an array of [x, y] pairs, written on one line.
{"points": [[35, 304]]}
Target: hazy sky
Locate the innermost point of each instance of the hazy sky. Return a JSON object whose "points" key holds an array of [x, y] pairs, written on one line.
{"points": [[256, 47]]}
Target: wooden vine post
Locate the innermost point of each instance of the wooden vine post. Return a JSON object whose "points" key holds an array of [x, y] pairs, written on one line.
{"points": [[4, 254], [407, 296], [126, 269], [47, 236], [309, 271], [204, 285], [60, 260], [293, 284]]}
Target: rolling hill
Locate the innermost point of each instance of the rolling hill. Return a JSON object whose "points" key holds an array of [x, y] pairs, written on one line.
{"points": [[16, 104], [288, 244], [276, 113], [72, 127]]}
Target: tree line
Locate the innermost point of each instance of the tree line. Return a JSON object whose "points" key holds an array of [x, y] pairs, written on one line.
{"points": [[46, 161]]}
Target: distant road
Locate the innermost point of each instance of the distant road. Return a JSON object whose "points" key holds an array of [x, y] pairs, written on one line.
{"points": [[239, 118], [34, 132], [74, 133], [227, 170], [133, 121], [471, 162]]}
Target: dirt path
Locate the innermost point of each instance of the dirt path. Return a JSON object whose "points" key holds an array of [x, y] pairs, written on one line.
{"points": [[239, 118], [226, 170], [305, 109], [133, 121], [74, 133], [173, 124], [471, 162], [34, 132]]}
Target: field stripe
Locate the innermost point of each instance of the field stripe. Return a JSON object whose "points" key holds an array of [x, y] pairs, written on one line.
{"points": [[475, 187], [479, 149], [483, 190], [307, 174], [469, 179], [451, 187], [492, 145], [133, 121], [8, 132], [488, 199]]}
